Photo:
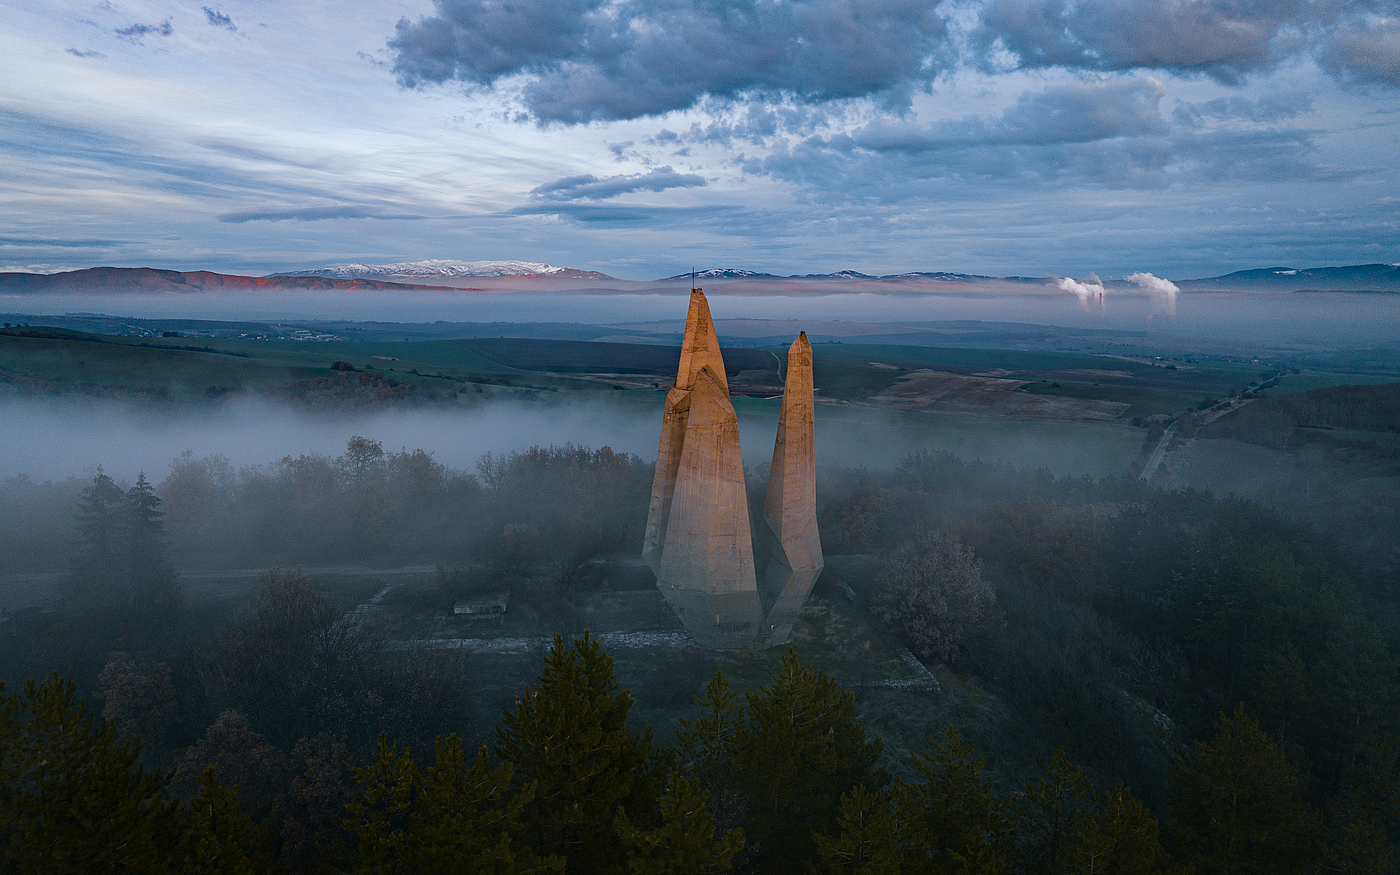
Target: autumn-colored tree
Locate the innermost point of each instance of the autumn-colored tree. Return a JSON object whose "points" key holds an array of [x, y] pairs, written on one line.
{"points": [[139, 698]]}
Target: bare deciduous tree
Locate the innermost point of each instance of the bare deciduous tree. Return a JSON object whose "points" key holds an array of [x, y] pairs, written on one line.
{"points": [[931, 590]]}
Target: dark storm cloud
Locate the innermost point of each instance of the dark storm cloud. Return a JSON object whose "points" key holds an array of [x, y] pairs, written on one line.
{"points": [[137, 32], [1223, 39], [591, 187], [1365, 51], [1106, 133], [313, 214], [590, 60], [219, 19]]}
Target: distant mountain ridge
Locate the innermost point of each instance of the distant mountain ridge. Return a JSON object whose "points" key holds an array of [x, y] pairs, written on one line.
{"points": [[155, 280], [442, 268], [522, 276], [1357, 277]]}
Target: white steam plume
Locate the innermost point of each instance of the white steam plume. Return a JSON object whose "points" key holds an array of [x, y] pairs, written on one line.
{"points": [[1163, 292], [1090, 291]]}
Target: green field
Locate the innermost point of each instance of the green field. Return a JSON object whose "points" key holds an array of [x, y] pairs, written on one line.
{"points": [[1292, 384], [472, 370], [1142, 400]]}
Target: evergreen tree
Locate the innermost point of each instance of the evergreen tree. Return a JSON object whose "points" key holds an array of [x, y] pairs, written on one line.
{"points": [[153, 585], [707, 749], [1122, 839], [219, 836], [453, 818], [1055, 817], [74, 800], [957, 824], [797, 752], [100, 559], [1237, 805], [868, 837], [685, 843], [1364, 833], [568, 737]]}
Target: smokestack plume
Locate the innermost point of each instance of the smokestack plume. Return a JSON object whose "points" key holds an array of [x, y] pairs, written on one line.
{"points": [[1163, 292], [1086, 292]]}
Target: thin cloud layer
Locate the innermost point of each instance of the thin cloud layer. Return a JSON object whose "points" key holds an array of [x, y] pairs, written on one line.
{"points": [[313, 214], [590, 187], [587, 60]]}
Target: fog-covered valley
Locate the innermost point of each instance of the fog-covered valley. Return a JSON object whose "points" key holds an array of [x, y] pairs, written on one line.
{"points": [[249, 554]]}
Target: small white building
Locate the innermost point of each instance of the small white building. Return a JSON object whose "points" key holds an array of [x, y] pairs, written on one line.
{"points": [[486, 606]]}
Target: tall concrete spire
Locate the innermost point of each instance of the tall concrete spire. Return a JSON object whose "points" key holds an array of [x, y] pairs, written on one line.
{"points": [[698, 540], [790, 507], [700, 346]]}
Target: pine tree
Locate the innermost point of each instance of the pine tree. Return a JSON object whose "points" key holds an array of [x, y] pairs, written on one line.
{"points": [[1056, 816], [956, 823], [685, 843], [470, 820], [799, 749], [153, 585], [1237, 805], [219, 836], [74, 799], [100, 558], [567, 736], [707, 749], [867, 839], [1122, 839]]}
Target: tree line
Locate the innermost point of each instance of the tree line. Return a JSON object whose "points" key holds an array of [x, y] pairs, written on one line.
{"points": [[785, 782], [1106, 618]]}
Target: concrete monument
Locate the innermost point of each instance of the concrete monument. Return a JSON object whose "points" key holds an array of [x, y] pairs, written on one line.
{"points": [[698, 540]]}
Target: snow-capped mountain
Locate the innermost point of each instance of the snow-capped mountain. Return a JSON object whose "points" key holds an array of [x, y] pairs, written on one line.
{"points": [[441, 268], [724, 273]]}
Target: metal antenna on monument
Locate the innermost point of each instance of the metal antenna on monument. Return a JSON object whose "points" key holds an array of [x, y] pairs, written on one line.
{"points": [[692, 277]]}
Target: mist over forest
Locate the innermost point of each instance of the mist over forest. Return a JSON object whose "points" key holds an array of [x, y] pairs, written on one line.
{"points": [[236, 566]]}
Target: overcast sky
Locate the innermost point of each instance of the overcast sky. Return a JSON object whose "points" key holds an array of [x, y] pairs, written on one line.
{"points": [[640, 138]]}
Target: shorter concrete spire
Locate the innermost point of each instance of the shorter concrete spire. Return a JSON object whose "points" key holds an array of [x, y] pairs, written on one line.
{"points": [[790, 507]]}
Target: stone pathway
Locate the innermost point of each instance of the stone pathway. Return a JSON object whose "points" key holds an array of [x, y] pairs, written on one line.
{"points": [[673, 640]]}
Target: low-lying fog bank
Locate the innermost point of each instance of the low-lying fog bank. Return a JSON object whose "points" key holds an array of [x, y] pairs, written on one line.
{"points": [[50, 438], [1350, 319]]}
